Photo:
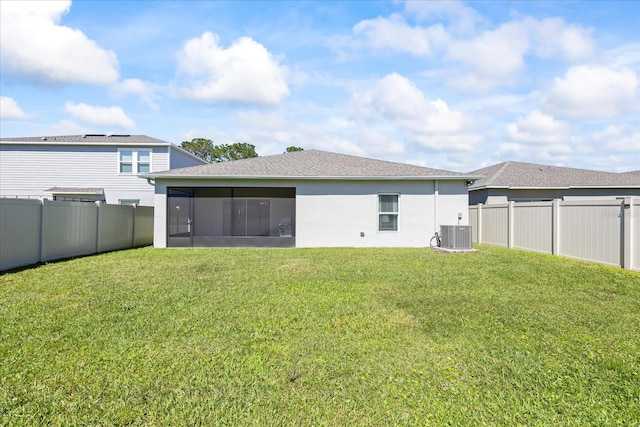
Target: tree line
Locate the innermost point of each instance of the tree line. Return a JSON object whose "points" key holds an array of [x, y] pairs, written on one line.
{"points": [[206, 150]]}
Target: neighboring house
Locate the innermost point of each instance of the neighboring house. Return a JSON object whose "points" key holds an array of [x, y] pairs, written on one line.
{"points": [[526, 182], [306, 199], [87, 167]]}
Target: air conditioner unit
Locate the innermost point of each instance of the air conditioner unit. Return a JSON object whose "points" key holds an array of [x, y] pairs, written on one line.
{"points": [[455, 237]]}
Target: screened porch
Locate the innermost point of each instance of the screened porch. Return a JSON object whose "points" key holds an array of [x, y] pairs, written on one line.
{"points": [[231, 216]]}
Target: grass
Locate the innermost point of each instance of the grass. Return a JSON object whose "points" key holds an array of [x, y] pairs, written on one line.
{"points": [[320, 337]]}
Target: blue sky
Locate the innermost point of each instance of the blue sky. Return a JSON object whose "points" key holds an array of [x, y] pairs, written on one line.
{"points": [[445, 84]]}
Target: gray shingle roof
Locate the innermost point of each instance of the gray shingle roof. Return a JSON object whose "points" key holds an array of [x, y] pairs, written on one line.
{"points": [[308, 164], [88, 138], [531, 175], [75, 190]]}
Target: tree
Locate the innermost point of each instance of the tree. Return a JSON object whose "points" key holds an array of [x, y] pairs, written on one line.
{"points": [[200, 147], [294, 148], [205, 149]]}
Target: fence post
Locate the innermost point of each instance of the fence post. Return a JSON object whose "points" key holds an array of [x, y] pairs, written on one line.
{"points": [[98, 242], [133, 229], [479, 223], [555, 226], [41, 254], [627, 233], [510, 224]]}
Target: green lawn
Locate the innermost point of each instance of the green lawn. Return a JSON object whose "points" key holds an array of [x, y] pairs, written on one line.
{"points": [[320, 337]]}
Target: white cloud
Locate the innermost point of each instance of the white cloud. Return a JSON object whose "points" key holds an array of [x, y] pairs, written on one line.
{"points": [[244, 72], [99, 116], [397, 105], [494, 54], [463, 19], [623, 56], [553, 37], [9, 109], [36, 46], [593, 91], [458, 142], [145, 90], [395, 34], [538, 128], [618, 138], [397, 99]]}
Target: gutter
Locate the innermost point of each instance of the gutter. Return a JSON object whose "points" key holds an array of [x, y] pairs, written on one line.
{"points": [[311, 178], [568, 187]]}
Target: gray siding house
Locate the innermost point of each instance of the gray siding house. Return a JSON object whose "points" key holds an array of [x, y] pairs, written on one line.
{"points": [[87, 167], [529, 182], [306, 199]]}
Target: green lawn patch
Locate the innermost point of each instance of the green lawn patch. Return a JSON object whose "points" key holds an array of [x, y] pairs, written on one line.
{"points": [[320, 337]]}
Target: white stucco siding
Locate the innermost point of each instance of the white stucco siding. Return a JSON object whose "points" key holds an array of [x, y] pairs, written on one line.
{"points": [[453, 197], [160, 215], [333, 213]]}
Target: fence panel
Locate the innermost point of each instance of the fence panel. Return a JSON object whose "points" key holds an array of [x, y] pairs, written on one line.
{"points": [[592, 231], [473, 222], [604, 231], [19, 232], [533, 226], [495, 224], [115, 227], [143, 223], [68, 229], [33, 230]]}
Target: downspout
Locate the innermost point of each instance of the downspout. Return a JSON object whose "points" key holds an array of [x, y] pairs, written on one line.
{"points": [[435, 205]]}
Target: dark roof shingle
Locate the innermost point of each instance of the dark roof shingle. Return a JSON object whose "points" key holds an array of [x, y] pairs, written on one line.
{"points": [[531, 175], [307, 164], [89, 138]]}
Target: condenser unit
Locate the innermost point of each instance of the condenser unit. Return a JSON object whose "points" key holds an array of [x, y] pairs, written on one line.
{"points": [[455, 237]]}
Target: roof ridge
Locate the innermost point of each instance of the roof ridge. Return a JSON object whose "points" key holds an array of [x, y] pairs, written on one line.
{"points": [[504, 166]]}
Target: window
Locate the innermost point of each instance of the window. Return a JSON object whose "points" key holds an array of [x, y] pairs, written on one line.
{"points": [[129, 201], [131, 161], [126, 161], [388, 212], [144, 161]]}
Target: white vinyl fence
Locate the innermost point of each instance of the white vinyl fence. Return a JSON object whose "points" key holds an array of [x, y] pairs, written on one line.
{"points": [[33, 231], [604, 231]]}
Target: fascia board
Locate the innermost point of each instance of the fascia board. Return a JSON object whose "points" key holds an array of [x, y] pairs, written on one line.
{"points": [[308, 178]]}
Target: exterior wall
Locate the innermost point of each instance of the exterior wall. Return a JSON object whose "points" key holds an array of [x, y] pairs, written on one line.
{"points": [[335, 213], [503, 195], [178, 159], [26, 171]]}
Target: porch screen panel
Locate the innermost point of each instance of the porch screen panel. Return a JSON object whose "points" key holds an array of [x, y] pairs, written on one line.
{"points": [[252, 212]]}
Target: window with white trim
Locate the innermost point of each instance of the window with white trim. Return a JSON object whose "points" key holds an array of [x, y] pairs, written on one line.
{"points": [[133, 161], [387, 212]]}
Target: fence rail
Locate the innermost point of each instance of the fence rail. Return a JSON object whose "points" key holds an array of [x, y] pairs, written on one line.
{"points": [[33, 231], [604, 231]]}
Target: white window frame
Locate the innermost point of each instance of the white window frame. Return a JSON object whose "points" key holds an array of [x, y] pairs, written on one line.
{"points": [[135, 160], [396, 213]]}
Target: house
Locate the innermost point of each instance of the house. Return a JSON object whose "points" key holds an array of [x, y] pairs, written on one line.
{"points": [[86, 167], [527, 182], [306, 199]]}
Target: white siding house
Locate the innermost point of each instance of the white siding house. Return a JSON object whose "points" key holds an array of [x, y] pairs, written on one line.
{"points": [[306, 199], [87, 167]]}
